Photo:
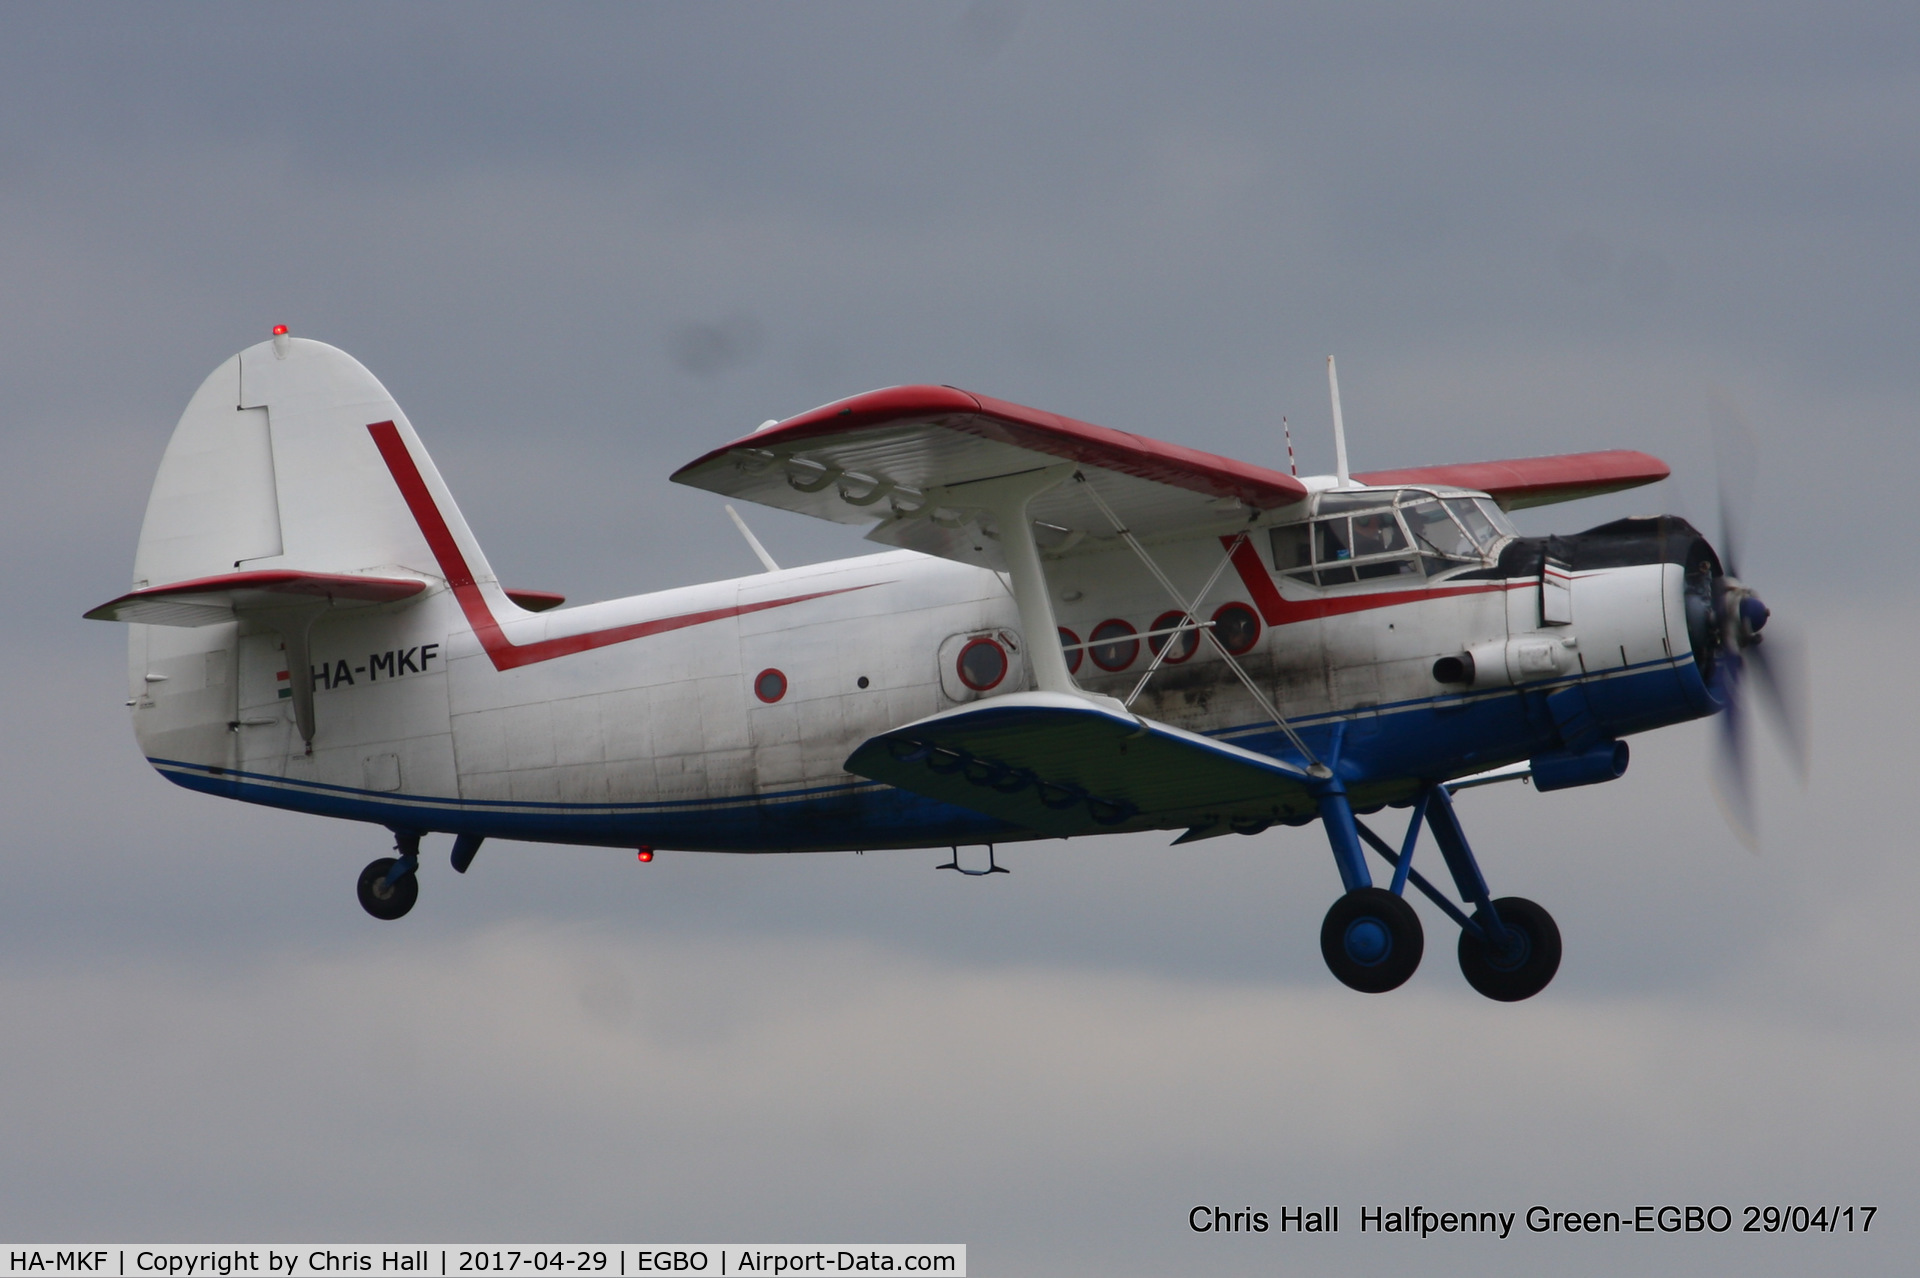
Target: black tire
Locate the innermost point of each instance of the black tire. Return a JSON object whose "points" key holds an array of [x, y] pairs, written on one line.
{"points": [[384, 900], [1508, 978], [1372, 940]]}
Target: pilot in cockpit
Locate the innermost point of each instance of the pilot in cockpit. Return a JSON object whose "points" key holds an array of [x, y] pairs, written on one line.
{"points": [[1376, 534]]}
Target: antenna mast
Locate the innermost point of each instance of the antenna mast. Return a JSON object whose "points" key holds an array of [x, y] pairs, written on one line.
{"points": [[1342, 479], [1292, 468]]}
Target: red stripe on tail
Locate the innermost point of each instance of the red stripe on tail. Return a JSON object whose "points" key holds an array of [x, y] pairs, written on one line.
{"points": [[505, 654]]}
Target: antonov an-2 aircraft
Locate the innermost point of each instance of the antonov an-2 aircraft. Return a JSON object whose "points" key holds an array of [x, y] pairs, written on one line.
{"points": [[1072, 631]]}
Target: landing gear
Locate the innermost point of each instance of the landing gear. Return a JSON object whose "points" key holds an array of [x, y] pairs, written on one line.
{"points": [[1522, 966], [388, 887], [1372, 940], [384, 895], [1509, 949]]}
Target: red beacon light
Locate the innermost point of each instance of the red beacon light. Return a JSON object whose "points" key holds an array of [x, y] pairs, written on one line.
{"points": [[279, 330], [281, 342], [646, 854]]}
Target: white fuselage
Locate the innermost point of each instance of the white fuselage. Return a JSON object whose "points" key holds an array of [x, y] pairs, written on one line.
{"points": [[663, 738]]}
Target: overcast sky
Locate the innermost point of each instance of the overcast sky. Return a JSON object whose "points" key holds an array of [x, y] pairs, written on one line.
{"points": [[584, 244]]}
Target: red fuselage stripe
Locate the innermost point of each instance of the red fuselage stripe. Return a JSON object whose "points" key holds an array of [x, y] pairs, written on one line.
{"points": [[1276, 611], [505, 654]]}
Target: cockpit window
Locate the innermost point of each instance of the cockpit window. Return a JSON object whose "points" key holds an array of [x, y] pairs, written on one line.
{"points": [[1292, 547], [1377, 533], [1475, 520], [1435, 531], [1364, 536], [1334, 503], [1332, 541], [1496, 516]]}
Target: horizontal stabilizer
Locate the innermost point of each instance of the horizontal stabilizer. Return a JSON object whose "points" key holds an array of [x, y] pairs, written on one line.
{"points": [[1535, 481], [536, 600], [906, 456], [207, 601], [1067, 765]]}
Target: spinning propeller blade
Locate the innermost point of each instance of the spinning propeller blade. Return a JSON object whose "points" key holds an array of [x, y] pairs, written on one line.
{"points": [[1779, 671], [1744, 657]]}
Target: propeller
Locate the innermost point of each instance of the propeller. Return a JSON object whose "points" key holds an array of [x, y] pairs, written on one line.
{"points": [[1749, 658]]}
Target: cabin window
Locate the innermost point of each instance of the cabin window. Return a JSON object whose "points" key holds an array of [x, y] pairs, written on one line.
{"points": [[1237, 627], [1183, 643], [769, 686], [1070, 642], [1113, 645], [982, 664]]}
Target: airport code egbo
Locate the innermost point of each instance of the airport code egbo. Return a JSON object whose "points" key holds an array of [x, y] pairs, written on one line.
{"points": [[458, 1261]]}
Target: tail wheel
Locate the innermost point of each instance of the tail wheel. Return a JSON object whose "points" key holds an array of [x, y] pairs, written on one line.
{"points": [[1372, 940], [386, 900], [1521, 968]]}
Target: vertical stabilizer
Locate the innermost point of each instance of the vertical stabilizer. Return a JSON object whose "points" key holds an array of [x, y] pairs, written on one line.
{"points": [[273, 466]]}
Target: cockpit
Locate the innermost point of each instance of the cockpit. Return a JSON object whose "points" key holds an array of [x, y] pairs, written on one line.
{"points": [[1379, 533]]}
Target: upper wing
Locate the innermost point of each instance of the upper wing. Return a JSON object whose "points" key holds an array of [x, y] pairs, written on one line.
{"points": [[904, 456], [1066, 765], [206, 601], [1536, 481]]}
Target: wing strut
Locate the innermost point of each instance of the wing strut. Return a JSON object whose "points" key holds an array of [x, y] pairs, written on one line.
{"points": [[759, 551], [1005, 499], [1315, 768], [1187, 622]]}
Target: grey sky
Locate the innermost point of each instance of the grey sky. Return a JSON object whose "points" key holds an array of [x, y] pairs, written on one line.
{"points": [[584, 244]]}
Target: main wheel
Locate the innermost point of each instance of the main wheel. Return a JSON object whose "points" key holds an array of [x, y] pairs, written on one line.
{"points": [[1526, 965], [386, 900], [1372, 940]]}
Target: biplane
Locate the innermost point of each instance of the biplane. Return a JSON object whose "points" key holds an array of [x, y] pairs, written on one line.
{"points": [[1069, 631]]}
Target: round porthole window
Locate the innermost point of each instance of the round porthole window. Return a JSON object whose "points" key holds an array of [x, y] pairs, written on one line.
{"points": [[1183, 643], [1074, 652], [982, 664], [1237, 627], [769, 685], [1114, 646]]}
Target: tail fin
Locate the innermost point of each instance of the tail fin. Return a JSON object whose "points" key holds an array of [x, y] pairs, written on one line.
{"points": [[292, 486], [277, 464]]}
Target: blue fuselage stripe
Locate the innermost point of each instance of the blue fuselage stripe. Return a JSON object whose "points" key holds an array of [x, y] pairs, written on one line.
{"points": [[1385, 751]]}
